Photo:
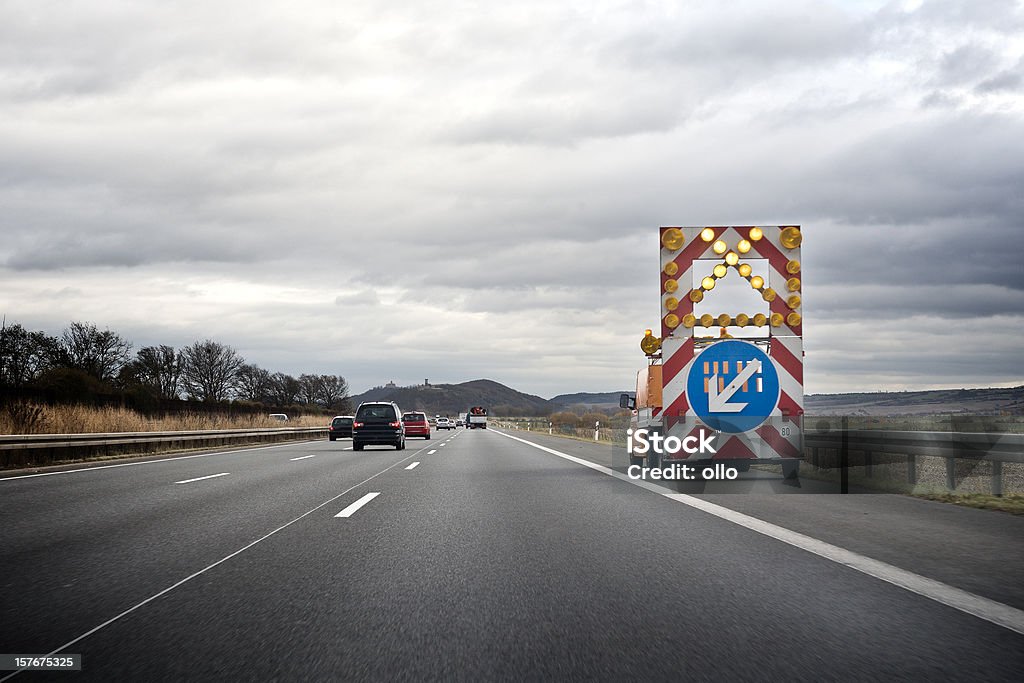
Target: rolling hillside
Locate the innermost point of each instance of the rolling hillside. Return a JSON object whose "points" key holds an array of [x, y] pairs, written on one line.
{"points": [[451, 399]]}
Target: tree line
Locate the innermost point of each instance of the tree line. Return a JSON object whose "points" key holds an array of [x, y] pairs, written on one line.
{"points": [[85, 361]]}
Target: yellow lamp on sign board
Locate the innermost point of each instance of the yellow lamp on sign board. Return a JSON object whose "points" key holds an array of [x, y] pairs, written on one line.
{"points": [[777, 320], [719, 247], [760, 319], [793, 284], [650, 344], [793, 301], [672, 239], [720, 270], [671, 268], [708, 283], [707, 234], [742, 319], [791, 237], [707, 320], [755, 234], [671, 303], [724, 320], [743, 247], [696, 296], [689, 320], [732, 258], [745, 269], [769, 295], [671, 321], [793, 267], [757, 282], [671, 285], [793, 319]]}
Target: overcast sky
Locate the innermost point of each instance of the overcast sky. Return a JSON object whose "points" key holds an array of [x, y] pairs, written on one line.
{"points": [[460, 190]]}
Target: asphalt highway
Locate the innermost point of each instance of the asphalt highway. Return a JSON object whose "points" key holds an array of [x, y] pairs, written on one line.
{"points": [[491, 556]]}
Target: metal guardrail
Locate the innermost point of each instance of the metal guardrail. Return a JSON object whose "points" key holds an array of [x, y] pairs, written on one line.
{"points": [[992, 447], [19, 448], [971, 446]]}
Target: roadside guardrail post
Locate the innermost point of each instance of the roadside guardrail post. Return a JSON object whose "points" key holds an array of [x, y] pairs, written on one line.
{"points": [[844, 457], [912, 469], [950, 474], [997, 477]]}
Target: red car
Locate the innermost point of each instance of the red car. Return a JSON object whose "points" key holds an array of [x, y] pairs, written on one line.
{"points": [[416, 424]]}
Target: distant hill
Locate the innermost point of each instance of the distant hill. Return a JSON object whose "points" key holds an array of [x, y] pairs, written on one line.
{"points": [[590, 400], [936, 402], [451, 399]]}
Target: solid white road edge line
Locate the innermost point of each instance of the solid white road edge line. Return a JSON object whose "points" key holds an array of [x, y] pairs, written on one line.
{"points": [[222, 560], [413, 465], [354, 507], [302, 458], [209, 476], [151, 462], [995, 612]]}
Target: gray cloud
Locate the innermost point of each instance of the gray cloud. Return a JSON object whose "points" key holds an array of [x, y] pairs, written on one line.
{"points": [[477, 191]]}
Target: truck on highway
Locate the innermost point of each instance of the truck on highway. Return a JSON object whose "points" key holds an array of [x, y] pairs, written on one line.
{"points": [[476, 418], [646, 407]]}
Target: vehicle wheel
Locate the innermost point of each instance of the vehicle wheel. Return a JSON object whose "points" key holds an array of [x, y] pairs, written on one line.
{"points": [[427, 437], [330, 438], [357, 446]]}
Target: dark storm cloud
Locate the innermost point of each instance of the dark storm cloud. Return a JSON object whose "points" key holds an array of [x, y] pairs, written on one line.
{"points": [[957, 167]]}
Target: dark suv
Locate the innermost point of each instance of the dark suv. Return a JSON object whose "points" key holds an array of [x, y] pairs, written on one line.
{"points": [[378, 422]]}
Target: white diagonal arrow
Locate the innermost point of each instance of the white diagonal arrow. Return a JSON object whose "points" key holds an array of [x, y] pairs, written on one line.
{"points": [[719, 402]]}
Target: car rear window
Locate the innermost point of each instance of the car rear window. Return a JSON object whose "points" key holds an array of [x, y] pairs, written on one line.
{"points": [[376, 412], [342, 421], [414, 417]]}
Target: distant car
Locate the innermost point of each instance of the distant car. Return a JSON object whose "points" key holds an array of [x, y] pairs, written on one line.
{"points": [[280, 417], [459, 423], [416, 425], [341, 427], [380, 423], [444, 423]]}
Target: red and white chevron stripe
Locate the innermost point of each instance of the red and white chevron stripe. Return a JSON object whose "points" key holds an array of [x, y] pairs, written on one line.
{"points": [[780, 435]]}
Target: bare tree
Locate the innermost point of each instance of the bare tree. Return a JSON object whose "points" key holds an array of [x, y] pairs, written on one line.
{"points": [[309, 388], [333, 392], [100, 354], [209, 370], [159, 367], [253, 383], [284, 389], [25, 355]]}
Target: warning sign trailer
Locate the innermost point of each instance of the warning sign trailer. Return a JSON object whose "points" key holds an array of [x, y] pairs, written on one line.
{"points": [[749, 390]]}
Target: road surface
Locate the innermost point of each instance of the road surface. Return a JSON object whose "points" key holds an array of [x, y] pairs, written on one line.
{"points": [[484, 556]]}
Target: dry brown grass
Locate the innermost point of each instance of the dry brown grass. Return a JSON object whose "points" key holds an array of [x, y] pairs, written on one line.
{"points": [[85, 419]]}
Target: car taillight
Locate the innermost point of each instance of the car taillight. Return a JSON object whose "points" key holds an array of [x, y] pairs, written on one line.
{"points": [[356, 425], [331, 428], [396, 424]]}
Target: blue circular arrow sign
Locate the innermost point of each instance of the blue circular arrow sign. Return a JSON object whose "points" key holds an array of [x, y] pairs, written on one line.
{"points": [[732, 386]]}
